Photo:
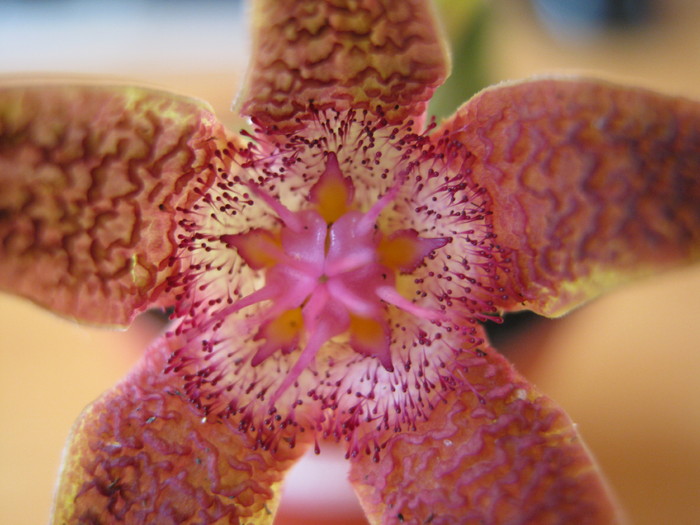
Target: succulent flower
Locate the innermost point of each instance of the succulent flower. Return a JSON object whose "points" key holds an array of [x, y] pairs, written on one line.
{"points": [[329, 269]]}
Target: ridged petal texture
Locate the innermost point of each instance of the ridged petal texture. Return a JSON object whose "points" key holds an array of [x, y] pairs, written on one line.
{"points": [[90, 181], [591, 184], [141, 454], [496, 451], [344, 54]]}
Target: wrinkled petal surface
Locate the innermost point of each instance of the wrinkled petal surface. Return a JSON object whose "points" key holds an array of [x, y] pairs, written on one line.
{"points": [[497, 451], [591, 184], [142, 454], [91, 179], [342, 54]]}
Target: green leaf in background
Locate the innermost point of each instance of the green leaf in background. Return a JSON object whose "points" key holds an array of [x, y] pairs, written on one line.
{"points": [[466, 25]]}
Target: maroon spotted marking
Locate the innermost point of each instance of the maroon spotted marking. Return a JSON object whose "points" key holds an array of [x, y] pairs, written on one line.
{"points": [[502, 451], [356, 55], [142, 454], [89, 181], [343, 395], [594, 183]]}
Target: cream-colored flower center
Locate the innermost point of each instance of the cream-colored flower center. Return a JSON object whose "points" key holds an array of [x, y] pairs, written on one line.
{"points": [[329, 270]]}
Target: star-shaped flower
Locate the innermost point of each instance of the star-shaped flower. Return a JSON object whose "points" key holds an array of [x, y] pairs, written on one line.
{"points": [[328, 271]]}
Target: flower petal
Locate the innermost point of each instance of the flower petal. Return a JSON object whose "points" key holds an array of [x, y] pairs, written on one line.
{"points": [[142, 454], [91, 179], [346, 55], [591, 184], [496, 451]]}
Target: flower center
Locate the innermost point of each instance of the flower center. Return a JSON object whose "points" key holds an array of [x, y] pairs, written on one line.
{"points": [[329, 270]]}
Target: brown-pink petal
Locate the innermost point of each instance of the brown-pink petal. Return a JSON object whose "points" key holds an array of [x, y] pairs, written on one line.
{"points": [[497, 451], [91, 178], [142, 454], [591, 184], [342, 54]]}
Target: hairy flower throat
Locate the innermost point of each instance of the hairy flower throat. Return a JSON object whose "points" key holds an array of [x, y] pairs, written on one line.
{"points": [[329, 270]]}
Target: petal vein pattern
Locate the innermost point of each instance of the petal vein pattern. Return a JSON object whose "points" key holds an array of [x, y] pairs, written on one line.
{"points": [[336, 280], [344, 55], [594, 184], [90, 178]]}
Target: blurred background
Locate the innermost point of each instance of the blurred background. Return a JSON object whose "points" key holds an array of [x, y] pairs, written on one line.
{"points": [[625, 366]]}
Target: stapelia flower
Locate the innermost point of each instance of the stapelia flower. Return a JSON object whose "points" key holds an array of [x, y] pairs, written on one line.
{"points": [[329, 270]]}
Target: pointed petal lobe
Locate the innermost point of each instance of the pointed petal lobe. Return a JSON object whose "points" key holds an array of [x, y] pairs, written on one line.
{"points": [[91, 179], [591, 184], [258, 247], [496, 451], [333, 193], [404, 250], [142, 454], [371, 337], [342, 54]]}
